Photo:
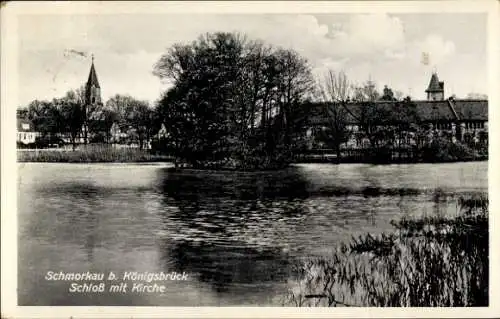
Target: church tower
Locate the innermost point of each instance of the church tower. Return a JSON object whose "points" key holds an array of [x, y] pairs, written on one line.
{"points": [[92, 88], [435, 91], [92, 99]]}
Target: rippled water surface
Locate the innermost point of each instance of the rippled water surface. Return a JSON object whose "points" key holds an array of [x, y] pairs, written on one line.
{"points": [[234, 234]]}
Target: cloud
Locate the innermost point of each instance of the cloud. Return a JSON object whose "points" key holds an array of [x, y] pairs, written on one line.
{"points": [[437, 48], [370, 34], [126, 47]]}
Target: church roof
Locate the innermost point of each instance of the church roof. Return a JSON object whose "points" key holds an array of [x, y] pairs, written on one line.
{"points": [[92, 81], [434, 84]]}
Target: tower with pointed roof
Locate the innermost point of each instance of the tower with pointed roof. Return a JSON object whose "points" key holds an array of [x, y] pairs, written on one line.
{"points": [[435, 90], [92, 88], [92, 98]]}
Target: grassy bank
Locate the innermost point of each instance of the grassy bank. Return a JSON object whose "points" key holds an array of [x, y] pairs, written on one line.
{"points": [[90, 154], [432, 261]]}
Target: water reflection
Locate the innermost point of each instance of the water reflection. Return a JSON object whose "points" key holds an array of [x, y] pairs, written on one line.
{"points": [[235, 233], [196, 184], [228, 227], [224, 265]]}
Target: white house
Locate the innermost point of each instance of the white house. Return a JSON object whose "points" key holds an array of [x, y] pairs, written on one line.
{"points": [[26, 133]]}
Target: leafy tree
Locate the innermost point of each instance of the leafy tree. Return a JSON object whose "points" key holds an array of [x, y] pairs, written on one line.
{"points": [[22, 112], [172, 110], [36, 110], [90, 112], [49, 120], [387, 94], [73, 115], [233, 101], [140, 117], [101, 124], [118, 105]]}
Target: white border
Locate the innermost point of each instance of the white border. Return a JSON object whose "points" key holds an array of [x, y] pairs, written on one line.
{"points": [[9, 82]]}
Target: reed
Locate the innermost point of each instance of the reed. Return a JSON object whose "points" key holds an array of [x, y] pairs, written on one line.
{"points": [[89, 154], [427, 262]]}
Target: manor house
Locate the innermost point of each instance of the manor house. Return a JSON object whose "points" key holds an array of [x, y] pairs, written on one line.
{"points": [[464, 120]]}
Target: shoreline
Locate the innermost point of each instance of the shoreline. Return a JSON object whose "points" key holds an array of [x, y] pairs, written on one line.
{"points": [[165, 161], [99, 155]]}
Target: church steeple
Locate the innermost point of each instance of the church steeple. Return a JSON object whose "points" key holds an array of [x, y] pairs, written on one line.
{"points": [[435, 91], [92, 88]]}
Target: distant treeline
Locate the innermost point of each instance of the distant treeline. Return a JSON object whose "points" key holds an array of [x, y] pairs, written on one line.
{"points": [[123, 119]]}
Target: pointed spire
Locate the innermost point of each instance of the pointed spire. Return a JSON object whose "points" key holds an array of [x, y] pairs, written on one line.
{"points": [[92, 88], [434, 84], [92, 81]]}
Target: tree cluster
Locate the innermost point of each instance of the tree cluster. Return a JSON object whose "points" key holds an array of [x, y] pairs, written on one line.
{"points": [[234, 103], [70, 118], [352, 111]]}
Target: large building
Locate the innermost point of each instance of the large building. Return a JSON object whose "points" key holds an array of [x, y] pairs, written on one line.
{"points": [[459, 119]]}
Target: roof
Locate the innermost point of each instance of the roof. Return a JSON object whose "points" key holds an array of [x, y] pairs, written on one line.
{"points": [[474, 110], [434, 110], [24, 125], [92, 81], [435, 85], [445, 110]]}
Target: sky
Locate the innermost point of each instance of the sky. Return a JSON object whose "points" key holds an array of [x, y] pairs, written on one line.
{"points": [[386, 48]]}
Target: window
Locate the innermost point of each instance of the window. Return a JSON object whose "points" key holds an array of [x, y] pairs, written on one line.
{"points": [[93, 99]]}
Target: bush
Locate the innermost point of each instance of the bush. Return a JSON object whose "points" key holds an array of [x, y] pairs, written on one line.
{"points": [[48, 141], [443, 150]]}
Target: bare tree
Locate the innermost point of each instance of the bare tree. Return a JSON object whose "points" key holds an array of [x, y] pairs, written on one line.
{"points": [[334, 92], [366, 92], [477, 96], [399, 95], [76, 96]]}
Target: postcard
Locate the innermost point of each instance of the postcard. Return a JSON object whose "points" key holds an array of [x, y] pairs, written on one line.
{"points": [[246, 159]]}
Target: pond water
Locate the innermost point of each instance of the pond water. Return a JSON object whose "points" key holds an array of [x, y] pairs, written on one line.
{"points": [[234, 234]]}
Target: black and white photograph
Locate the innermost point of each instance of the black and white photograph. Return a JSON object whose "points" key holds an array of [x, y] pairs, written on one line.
{"points": [[325, 158]]}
